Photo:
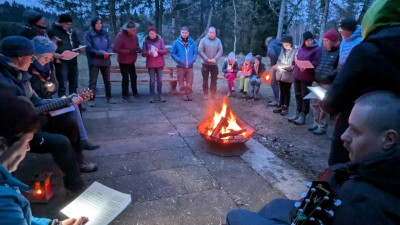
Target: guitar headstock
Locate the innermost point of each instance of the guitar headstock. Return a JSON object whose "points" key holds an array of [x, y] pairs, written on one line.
{"points": [[316, 202], [86, 94]]}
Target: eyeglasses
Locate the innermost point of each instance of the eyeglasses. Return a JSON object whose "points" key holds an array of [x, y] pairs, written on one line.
{"points": [[45, 58]]}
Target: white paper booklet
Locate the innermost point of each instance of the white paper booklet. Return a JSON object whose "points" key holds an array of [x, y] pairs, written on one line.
{"points": [[153, 50], [68, 55], [316, 92], [62, 111], [99, 203], [80, 47]]}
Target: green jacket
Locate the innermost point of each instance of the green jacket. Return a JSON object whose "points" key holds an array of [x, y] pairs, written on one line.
{"points": [[65, 43]]}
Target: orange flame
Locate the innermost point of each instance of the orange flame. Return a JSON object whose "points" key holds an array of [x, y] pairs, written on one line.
{"points": [[231, 119], [266, 77]]}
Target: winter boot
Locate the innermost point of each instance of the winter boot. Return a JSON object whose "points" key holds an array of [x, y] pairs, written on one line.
{"points": [[301, 120], [277, 110], [284, 111], [294, 117]]}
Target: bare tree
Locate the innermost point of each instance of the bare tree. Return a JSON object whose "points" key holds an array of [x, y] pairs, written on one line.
{"points": [[281, 19], [324, 20], [234, 27]]}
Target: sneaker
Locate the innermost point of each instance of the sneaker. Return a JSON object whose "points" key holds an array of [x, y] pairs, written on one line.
{"points": [[89, 146], [86, 167], [185, 98], [278, 110], [284, 112], [161, 99], [151, 100], [111, 101], [190, 98], [137, 96], [229, 94], [92, 103], [127, 99], [312, 127], [273, 103], [319, 131]]}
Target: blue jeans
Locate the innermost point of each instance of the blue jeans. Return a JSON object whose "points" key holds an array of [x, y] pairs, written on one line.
{"points": [[152, 73], [274, 213], [77, 116], [255, 82], [66, 73], [274, 82]]}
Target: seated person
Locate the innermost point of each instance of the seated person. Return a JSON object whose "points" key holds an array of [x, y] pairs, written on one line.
{"points": [[369, 184], [44, 83], [17, 127], [245, 71], [255, 80], [59, 135], [230, 69]]}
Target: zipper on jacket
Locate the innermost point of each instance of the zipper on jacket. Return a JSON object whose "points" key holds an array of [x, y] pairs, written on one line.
{"points": [[186, 50]]}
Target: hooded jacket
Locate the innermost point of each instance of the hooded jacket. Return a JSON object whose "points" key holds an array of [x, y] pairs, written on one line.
{"points": [[95, 43], [368, 188], [14, 207], [312, 54], [326, 70], [184, 56], [372, 65], [67, 42], [347, 45]]}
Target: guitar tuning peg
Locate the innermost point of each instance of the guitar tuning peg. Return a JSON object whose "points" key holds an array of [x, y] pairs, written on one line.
{"points": [[304, 194], [337, 202], [309, 184], [326, 198], [329, 213], [318, 208], [313, 190], [297, 204], [312, 219]]}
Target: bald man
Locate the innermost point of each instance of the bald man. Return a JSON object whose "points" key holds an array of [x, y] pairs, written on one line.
{"points": [[368, 185]]}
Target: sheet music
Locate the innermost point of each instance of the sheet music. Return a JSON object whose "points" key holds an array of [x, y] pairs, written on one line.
{"points": [[80, 47], [304, 64], [62, 111], [99, 203], [68, 55]]}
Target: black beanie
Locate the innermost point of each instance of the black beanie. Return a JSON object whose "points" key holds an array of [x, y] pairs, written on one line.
{"points": [[287, 39], [94, 21], [65, 18], [307, 35], [259, 57], [16, 46], [349, 24], [31, 16]]}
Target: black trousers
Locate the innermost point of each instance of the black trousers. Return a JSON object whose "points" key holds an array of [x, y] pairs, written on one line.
{"points": [[284, 93], [206, 70], [128, 71], [339, 153], [94, 74], [301, 90]]}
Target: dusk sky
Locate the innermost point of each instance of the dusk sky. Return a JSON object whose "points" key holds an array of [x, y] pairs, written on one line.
{"points": [[25, 2]]}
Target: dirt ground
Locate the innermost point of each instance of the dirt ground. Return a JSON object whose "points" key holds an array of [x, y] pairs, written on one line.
{"points": [[294, 144]]}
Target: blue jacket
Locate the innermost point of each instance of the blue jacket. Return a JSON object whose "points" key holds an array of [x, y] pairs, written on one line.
{"points": [[95, 42], [274, 48], [184, 57], [347, 45], [14, 207]]}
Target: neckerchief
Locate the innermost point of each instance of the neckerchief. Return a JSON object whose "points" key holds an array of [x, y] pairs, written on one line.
{"points": [[37, 69], [5, 60], [185, 41]]}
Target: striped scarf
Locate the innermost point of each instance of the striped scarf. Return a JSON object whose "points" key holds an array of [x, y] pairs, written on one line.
{"points": [[6, 62]]}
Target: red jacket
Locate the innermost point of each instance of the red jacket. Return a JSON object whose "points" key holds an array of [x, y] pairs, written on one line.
{"points": [[125, 45], [151, 61]]}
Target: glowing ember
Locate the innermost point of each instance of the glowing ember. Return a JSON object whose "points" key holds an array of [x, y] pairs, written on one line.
{"points": [[231, 124]]}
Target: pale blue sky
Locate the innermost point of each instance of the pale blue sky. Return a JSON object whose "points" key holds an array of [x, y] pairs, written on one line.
{"points": [[25, 2]]}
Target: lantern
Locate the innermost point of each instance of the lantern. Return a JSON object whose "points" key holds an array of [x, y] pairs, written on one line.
{"points": [[41, 186], [266, 77]]}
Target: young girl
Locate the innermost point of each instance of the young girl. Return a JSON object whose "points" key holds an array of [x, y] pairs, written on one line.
{"points": [[255, 81], [245, 72], [230, 68]]}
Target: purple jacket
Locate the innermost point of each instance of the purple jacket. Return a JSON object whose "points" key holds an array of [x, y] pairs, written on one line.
{"points": [[312, 54], [151, 61]]}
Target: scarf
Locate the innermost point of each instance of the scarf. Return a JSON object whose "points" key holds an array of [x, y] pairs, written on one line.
{"points": [[6, 62], [185, 41], [152, 40]]}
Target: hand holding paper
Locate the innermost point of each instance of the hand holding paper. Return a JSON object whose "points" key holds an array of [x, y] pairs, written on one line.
{"points": [[154, 51], [68, 55], [304, 64]]}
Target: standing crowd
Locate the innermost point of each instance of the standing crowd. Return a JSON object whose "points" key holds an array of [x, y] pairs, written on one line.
{"points": [[360, 74]]}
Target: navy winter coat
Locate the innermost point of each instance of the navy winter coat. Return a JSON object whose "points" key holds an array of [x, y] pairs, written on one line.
{"points": [[97, 42]]}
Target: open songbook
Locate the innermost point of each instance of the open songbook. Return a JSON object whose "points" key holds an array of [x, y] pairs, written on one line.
{"points": [[99, 203], [316, 92]]}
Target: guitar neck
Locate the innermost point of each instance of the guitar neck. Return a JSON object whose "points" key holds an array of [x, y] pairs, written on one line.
{"points": [[56, 104]]}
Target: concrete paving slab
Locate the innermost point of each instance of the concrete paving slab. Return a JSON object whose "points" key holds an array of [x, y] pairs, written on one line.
{"points": [[187, 129], [183, 119], [205, 207], [136, 144], [140, 162]]}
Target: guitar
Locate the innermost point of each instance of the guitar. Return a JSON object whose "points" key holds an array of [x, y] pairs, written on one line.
{"points": [[62, 102], [312, 210]]}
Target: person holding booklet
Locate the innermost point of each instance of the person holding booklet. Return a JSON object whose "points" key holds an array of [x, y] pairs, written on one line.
{"points": [[304, 75], [18, 125], [98, 52]]}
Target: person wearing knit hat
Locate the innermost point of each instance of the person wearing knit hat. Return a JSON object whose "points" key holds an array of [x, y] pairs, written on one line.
{"points": [[351, 36], [325, 74], [303, 77], [98, 52], [184, 53], [284, 74], [245, 72], [34, 24], [230, 69], [255, 79], [371, 65], [153, 50], [66, 71]]}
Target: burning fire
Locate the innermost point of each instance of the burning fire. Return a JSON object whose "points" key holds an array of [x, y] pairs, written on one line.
{"points": [[231, 124]]}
